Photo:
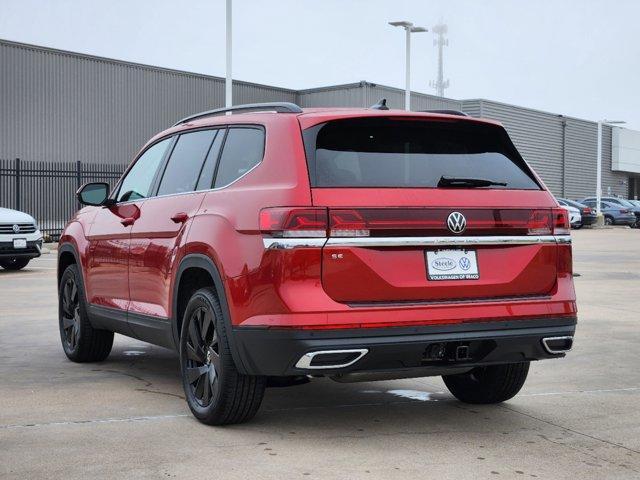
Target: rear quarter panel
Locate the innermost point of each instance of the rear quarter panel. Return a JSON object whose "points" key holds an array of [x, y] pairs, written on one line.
{"points": [[226, 228]]}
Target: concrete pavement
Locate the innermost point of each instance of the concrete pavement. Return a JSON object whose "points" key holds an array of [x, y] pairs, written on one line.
{"points": [[126, 417]]}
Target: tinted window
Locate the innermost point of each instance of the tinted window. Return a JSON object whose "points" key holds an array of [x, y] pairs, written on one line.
{"points": [[185, 163], [243, 150], [385, 152], [137, 183], [206, 176]]}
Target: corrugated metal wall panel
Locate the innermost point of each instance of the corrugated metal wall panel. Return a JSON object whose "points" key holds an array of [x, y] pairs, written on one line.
{"points": [[351, 95], [581, 158], [365, 94], [613, 183], [58, 106], [472, 107]]}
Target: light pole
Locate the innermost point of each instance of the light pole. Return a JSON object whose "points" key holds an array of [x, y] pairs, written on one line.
{"points": [[228, 86], [599, 217], [409, 29]]}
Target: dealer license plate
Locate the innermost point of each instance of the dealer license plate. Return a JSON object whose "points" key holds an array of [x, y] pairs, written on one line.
{"points": [[452, 265]]}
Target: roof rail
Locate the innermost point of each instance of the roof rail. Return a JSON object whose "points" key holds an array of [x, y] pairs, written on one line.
{"points": [[279, 107], [446, 112]]}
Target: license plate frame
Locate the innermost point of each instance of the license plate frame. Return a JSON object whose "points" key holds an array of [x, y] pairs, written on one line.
{"points": [[19, 243], [452, 264]]}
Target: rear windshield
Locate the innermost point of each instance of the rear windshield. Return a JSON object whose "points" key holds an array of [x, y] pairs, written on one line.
{"points": [[385, 152]]}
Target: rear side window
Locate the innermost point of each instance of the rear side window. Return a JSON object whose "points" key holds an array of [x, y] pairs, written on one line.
{"points": [[185, 164], [385, 152], [205, 181], [243, 149]]}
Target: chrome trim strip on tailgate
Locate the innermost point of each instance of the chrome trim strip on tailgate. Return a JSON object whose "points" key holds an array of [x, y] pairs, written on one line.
{"points": [[288, 243], [446, 241]]}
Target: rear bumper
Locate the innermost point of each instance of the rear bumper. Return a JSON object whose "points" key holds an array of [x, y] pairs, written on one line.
{"points": [[275, 352], [589, 219], [625, 220]]}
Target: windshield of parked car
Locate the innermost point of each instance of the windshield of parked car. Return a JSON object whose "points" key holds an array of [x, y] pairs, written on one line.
{"points": [[400, 153]]}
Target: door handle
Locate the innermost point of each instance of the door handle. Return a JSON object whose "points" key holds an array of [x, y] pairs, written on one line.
{"points": [[128, 221], [180, 217]]}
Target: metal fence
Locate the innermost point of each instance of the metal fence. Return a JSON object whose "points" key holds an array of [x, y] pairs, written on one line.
{"points": [[46, 190]]}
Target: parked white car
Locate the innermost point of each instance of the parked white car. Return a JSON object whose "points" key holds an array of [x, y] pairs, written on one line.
{"points": [[20, 239], [575, 218]]}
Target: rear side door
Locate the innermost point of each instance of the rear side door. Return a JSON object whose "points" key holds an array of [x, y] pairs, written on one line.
{"points": [[107, 279], [159, 232]]}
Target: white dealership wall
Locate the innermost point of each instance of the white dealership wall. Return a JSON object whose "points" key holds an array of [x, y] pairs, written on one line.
{"points": [[625, 155]]}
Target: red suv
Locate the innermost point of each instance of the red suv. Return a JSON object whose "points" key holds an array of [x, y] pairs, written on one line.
{"points": [[270, 244]]}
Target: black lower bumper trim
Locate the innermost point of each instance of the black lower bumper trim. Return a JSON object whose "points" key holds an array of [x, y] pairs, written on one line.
{"points": [[275, 352], [32, 250]]}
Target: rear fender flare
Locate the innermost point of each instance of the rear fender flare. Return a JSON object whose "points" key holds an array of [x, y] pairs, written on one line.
{"points": [[205, 263]]}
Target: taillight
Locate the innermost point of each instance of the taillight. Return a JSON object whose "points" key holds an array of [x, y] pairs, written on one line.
{"points": [[624, 210], [295, 222], [561, 224], [586, 211], [540, 222], [347, 223], [307, 222]]}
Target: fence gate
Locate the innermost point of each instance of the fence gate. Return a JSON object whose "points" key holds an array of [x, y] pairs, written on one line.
{"points": [[47, 190]]}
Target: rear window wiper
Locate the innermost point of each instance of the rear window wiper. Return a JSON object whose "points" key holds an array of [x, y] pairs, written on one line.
{"points": [[468, 182]]}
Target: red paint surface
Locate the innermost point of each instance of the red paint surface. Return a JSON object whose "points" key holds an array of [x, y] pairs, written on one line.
{"points": [[133, 267]]}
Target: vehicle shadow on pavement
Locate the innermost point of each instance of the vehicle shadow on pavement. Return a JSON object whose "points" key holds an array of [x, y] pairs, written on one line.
{"points": [[341, 405]]}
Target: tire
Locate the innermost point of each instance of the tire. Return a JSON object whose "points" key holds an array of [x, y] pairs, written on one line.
{"points": [[14, 263], [608, 220], [493, 384], [80, 341], [216, 392]]}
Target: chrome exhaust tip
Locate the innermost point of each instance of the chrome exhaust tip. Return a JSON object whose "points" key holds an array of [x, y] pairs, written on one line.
{"points": [[329, 359], [557, 345]]}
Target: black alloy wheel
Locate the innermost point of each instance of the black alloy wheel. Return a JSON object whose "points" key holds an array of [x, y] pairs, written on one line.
{"points": [[203, 358], [70, 315], [216, 392], [80, 341]]}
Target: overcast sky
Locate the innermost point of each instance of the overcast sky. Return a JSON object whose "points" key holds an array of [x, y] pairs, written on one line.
{"points": [[579, 58]]}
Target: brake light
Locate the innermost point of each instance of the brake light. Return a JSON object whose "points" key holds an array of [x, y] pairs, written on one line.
{"points": [[586, 211], [561, 224], [294, 222]]}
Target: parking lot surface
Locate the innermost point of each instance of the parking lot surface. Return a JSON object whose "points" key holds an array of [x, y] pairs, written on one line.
{"points": [[126, 417]]}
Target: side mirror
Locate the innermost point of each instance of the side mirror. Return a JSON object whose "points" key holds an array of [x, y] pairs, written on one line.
{"points": [[96, 193]]}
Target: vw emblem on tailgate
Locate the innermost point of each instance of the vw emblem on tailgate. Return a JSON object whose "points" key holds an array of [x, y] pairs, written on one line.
{"points": [[16, 229], [456, 222]]}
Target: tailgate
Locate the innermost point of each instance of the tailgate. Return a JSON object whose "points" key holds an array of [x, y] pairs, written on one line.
{"points": [[409, 254]]}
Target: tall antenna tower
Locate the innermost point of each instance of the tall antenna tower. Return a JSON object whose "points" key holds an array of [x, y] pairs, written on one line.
{"points": [[440, 84]]}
